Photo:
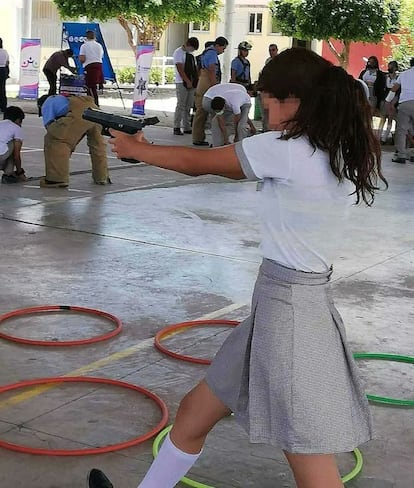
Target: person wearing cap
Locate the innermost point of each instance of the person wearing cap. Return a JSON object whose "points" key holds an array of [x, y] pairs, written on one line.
{"points": [[240, 66], [210, 74], [229, 104], [59, 59], [90, 55]]}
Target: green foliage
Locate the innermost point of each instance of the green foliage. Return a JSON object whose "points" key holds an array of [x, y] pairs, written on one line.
{"points": [[403, 50], [159, 12], [345, 20], [156, 75], [127, 75]]}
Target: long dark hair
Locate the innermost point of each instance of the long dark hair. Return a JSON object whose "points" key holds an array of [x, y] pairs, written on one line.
{"points": [[333, 113], [375, 61]]}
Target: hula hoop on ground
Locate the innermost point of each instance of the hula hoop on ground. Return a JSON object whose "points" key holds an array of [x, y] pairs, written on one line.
{"points": [[52, 308], [387, 357], [171, 329], [195, 484], [95, 450]]}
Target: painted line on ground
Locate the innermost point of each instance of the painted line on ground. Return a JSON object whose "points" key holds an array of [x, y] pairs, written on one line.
{"points": [[67, 189], [94, 366]]}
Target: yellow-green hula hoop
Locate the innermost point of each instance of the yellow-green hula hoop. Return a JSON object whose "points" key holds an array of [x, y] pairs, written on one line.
{"points": [[195, 484]]}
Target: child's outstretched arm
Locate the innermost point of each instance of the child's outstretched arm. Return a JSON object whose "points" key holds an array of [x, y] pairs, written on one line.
{"points": [[221, 161]]}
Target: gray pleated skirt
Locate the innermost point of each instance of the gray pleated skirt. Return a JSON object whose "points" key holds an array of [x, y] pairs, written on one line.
{"points": [[287, 371]]}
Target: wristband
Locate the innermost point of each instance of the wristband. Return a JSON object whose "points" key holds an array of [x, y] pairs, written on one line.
{"points": [[390, 96]]}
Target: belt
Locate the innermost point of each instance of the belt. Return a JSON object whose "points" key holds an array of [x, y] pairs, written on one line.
{"points": [[54, 120]]}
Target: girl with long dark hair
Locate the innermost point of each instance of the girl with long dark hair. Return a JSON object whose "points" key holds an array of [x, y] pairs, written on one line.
{"points": [[286, 372], [375, 79]]}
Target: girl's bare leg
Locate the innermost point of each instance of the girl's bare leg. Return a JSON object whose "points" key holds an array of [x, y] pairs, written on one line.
{"points": [[315, 470], [200, 410], [198, 413]]}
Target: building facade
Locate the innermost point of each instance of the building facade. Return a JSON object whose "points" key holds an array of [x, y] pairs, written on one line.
{"points": [[251, 21], [238, 20]]}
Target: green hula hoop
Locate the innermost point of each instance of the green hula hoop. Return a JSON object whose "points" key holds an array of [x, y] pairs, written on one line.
{"points": [[195, 484], [387, 357]]}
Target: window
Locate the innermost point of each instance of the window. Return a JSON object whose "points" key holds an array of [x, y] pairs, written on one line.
{"points": [[255, 23], [200, 26]]}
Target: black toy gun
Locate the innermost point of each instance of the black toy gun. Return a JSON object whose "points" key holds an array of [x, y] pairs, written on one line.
{"points": [[123, 123]]}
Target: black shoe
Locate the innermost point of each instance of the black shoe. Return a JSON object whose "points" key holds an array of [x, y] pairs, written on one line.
{"points": [[398, 160], [177, 132], [9, 179], [201, 143], [44, 183], [97, 479], [189, 131]]}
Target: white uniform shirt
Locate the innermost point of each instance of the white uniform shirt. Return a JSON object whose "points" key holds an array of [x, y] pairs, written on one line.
{"points": [[179, 57], [369, 76], [8, 132], [406, 81], [92, 51], [4, 58], [234, 94], [300, 198]]}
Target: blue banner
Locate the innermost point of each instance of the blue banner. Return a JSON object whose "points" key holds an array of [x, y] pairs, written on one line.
{"points": [[74, 35]]}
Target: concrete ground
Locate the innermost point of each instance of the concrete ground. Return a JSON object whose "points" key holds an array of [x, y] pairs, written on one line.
{"points": [[156, 248]]}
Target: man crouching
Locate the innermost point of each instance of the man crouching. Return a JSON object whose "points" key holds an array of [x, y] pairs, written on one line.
{"points": [[11, 140], [62, 118]]}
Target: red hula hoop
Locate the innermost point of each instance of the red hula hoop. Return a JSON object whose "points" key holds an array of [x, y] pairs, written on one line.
{"points": [[95, 450], [51, 308], [166, 331]]}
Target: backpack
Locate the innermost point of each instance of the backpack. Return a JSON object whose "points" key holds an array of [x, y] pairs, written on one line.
{"points": [[190, 69]]}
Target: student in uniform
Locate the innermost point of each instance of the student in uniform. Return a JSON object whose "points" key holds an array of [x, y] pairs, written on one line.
{"points": [[286, 372]]}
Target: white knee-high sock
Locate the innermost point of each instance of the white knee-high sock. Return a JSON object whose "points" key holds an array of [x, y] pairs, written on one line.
{"points": [[169, 466]]}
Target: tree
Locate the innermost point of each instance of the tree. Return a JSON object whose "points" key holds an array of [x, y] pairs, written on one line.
{"points": [[344, 20], [144, 21], [403, 49]]}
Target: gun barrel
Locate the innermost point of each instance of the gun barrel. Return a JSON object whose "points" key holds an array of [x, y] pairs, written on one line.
{"points": [[123, 123]]}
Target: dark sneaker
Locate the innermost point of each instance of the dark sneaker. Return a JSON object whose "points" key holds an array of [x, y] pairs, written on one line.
{"points": [[97, 479], [200, 143], [9, 179], [189, 131], [398, 160], [412, 159], [177, 132], [44, 183]]}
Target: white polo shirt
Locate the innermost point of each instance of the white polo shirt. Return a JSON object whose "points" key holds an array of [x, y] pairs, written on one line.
{"points": [[406, 81], [179, 58], [9, 131], [234, 94], [303, 208], [92, 51]]}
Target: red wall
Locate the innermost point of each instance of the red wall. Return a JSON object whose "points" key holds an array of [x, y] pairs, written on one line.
{"points": [[359, 50]]}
